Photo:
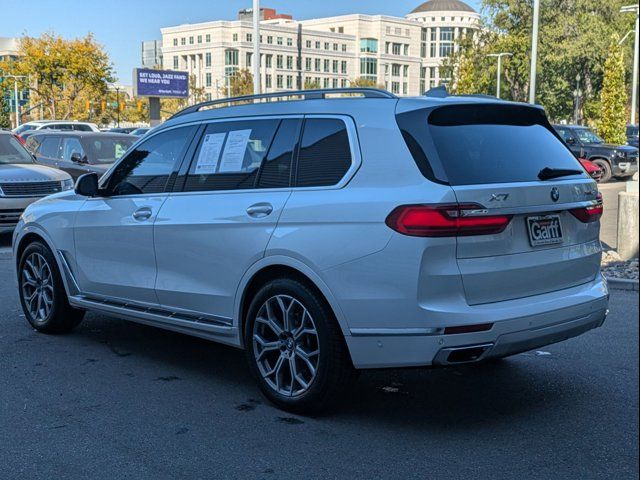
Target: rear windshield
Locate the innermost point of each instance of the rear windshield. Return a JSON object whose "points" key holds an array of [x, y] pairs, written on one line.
{"points": [[12, 152], [480, 144]]}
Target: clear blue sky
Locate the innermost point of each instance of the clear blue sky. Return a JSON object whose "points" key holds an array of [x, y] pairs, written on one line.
{"points": [[121, 25]]}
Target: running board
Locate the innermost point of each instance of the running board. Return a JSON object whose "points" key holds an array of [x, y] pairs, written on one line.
{"points": [[191, 324]]}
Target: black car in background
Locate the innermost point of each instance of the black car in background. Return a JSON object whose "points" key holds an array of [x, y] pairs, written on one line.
{"points": [[632, 135], [78, 153], [614, 160], [122, 129]]}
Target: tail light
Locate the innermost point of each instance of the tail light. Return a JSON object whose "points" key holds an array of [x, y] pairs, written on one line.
{"points": [[450, 220], [589, 214], [20, 139]]}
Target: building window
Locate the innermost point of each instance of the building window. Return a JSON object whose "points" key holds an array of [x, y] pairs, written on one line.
{"points": [[231, 57], [183, 41], [326, 45], [369, 45], [343, 82], [423, 43], [248, 59], [289, 81], [199, 38], [405, 70], [269, 39], [317, 64], [268, 61], [279, 40], [289, 42], [326, 65], [190, 40], [279, 79], [207, 59], [207, 38], [175, 42], [395, 87], [307, 64], [396, 48], [207, 79], [369, 68], [344, 47], [404, 88], [325, 83], [334, 83], [446, 41], [176, 63], [279, 61], [335, 47], [249, 37], [318, 45], [267, 80], [289, 62], [406, 50], [308, 43], [334, 66], [395, 70], [343, 66]]}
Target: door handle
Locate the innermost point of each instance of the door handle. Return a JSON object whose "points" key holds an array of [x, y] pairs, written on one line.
{"points": [[142, 214], [259, 210]]}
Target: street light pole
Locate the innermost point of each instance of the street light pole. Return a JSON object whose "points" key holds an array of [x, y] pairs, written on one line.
{"points": [[256, 47], [534, 51], [634, 81], [577, 93], [499, 56]]}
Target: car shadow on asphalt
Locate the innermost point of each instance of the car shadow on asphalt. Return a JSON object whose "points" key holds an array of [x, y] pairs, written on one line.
{"points": [[434, 399]]}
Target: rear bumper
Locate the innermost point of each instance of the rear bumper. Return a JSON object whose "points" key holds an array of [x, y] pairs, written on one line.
{"points": [[585, 308]]}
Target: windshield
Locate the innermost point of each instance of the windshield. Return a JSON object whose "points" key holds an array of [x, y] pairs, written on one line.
{"points": [[12, 152], [587, 136], [24, 128], [632, 131], [103, 149]]}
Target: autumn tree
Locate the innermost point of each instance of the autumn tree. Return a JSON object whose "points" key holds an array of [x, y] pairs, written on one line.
{"points": [[5, 114], [311, 84], [364, 83], [63, 74], [238, 84], [613, 97]]}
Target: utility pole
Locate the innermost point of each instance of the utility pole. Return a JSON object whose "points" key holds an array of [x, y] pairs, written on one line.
{"points": [[499, 57], [299, 59], [634, 81], [534, 52], [256, 47]]}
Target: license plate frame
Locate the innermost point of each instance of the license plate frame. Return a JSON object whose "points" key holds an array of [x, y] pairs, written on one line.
{"points": [[544, 230]]}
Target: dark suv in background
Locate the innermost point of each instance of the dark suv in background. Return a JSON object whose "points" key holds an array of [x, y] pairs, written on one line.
{"points": [[614, 160], [78, 153], [632, 135]]}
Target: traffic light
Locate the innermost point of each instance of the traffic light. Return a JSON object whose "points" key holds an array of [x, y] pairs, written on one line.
{"points": [[103, 105], [121, 105], [139, 105], [87, 106]]}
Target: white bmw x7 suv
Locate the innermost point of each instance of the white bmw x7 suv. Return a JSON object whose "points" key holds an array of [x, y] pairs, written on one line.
{"points": [[325, 235]]}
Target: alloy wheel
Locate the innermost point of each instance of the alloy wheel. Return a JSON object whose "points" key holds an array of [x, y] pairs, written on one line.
{"points": [[37, 287], [286, 346]]}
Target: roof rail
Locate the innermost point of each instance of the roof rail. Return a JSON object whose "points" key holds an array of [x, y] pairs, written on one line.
{"points": [[304, 94]]}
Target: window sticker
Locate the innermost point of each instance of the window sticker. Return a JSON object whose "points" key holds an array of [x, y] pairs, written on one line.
{"points": [[209, 153], [234, 150]]}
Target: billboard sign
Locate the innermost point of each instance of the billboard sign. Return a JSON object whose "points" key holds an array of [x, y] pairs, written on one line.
{"points": [[160, 83]]}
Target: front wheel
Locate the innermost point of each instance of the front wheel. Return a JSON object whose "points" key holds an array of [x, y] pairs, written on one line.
{"points": [[295, 348], [605, 167], [42, 294]]}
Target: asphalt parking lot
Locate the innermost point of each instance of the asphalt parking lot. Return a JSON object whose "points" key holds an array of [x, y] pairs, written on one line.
{"points": [[120, 400]]}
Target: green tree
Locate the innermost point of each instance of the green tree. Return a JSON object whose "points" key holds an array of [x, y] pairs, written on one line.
{"points": [[169, 106], [63, 74], [311, 84], [5, 114], [240, 83], [613, 97]]}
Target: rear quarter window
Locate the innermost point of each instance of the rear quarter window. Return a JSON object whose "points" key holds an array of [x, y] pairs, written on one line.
{"points": [[325, 153]]}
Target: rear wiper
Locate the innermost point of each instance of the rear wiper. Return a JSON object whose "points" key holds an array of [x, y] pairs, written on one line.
{"points": [[548, 173]]}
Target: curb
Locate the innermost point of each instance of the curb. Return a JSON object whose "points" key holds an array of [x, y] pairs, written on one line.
{"points": [[622, 284]]}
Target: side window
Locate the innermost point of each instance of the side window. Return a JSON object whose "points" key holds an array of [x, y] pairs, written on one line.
{"points": [[69, 147], [50, 147], [230, 155], [147, 169], [325, 155], [81, 127], [276, 169], [32, 143]]}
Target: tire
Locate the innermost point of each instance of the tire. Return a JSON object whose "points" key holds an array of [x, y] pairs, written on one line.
{"points": [[294, 348], [606, 169], [42, 294]]}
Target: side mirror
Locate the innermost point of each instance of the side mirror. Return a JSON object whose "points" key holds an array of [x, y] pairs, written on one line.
{"points": [[77, 157], [87, 185]]}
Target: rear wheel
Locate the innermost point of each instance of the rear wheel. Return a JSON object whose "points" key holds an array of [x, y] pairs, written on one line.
{"points": [[295, 349], [605, 167], [42, 295]]}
